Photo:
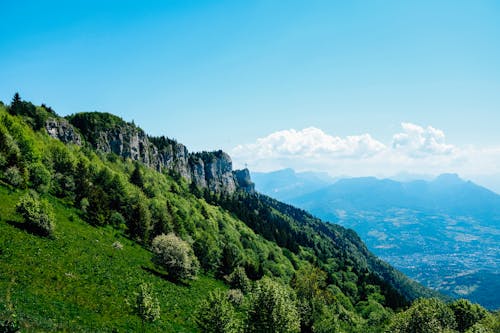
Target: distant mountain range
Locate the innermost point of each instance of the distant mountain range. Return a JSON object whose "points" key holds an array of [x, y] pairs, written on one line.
{"points": [[442, 232], [286, 184]]}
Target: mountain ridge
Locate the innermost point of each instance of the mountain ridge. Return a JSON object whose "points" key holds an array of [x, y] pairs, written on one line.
{"points": [[111, 134], [446, 193]]}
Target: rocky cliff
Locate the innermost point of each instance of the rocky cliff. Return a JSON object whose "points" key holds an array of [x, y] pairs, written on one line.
{"points": [[110, 134], [60, 128]]}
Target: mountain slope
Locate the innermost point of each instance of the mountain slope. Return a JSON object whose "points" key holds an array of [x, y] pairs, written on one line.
{"points": [[79, 281]]}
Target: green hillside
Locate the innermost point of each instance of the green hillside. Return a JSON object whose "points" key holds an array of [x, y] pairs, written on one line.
{"points": [[287, 270], [79, 281]]}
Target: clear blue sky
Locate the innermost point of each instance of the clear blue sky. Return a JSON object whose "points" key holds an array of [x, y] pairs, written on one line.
{"points": [[214, 74]]}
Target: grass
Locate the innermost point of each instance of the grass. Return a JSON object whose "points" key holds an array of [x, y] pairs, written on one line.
{"points": [[79, 282]]}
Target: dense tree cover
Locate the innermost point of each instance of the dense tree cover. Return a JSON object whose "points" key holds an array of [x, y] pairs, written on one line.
{"points": [[433, 315], [100, 185], [307, 275], [33, 115], [90, 123], [338, 251]]}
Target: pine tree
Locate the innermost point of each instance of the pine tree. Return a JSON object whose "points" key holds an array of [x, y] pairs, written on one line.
{"points": [[136, 177]]}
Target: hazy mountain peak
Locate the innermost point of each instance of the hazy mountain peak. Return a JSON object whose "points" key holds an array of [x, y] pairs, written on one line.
{"points": [[449, 178]]}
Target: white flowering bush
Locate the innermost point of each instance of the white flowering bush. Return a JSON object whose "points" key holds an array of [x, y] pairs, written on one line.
{"points": [[146, 304], [175, 256]]}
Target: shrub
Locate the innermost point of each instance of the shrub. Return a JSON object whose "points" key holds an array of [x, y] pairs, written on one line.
{"points": [[146, 305], [467, 314], [235, 296], [9, 326], [116, 219], [14, 177], [238, 280], [273, 309], [175, 256], [84, 204], [424, 316], [40, 177], [216, 314], [38, 214], [3, 160]]}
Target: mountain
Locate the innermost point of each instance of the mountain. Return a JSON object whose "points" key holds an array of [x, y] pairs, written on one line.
{"points": [[84, 199], [286, 183], [443, 233]]}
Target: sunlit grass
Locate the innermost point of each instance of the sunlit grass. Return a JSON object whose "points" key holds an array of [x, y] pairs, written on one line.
{"points": [[79, 282]]}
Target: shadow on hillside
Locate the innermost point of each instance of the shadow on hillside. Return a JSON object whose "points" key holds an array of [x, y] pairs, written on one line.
{"points": [[23, 226], [164, 276], [26, 227]]}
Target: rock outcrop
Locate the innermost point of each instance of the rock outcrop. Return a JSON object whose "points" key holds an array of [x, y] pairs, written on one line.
{"points": [[60, 128], [110, 134], [243, 180], [213, 170]]}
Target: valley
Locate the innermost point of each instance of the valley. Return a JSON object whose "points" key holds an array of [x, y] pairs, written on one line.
{"points": [[443, 233]]}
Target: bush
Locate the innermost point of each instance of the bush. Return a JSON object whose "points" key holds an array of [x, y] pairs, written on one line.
{"points": [[146, 305], [14, 176], [38, 214], [273, 309], [424, 316], [216, 314], [9, 326], [175, 256], [467, 314], [117, 220], [40, 177], [84, 204], [236, 297], [238, 280]]}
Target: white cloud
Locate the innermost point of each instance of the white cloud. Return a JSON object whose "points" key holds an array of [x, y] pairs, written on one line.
{"points": [[415, 149], [310, 142], [418, 141]]}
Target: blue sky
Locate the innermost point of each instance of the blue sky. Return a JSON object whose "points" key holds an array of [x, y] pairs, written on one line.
{"points": [[221, 74]]}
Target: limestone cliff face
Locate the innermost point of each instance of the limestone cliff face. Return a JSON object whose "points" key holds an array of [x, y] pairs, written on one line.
{"points": [[213, 170], [243, 180], [61, 129], [110, 134]]}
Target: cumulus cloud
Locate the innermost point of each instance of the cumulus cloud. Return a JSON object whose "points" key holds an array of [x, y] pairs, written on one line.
{"points": [[310, 142], [414, 149], [418, 141]]}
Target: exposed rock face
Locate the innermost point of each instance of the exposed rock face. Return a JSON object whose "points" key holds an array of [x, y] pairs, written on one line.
{"points": [[243, 180], [110, 134], [61, 129], [171, 155], [215, 169], [128, 143]]}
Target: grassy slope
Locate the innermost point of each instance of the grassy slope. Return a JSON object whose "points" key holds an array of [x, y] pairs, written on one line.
{"points": [[79, 281]]}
